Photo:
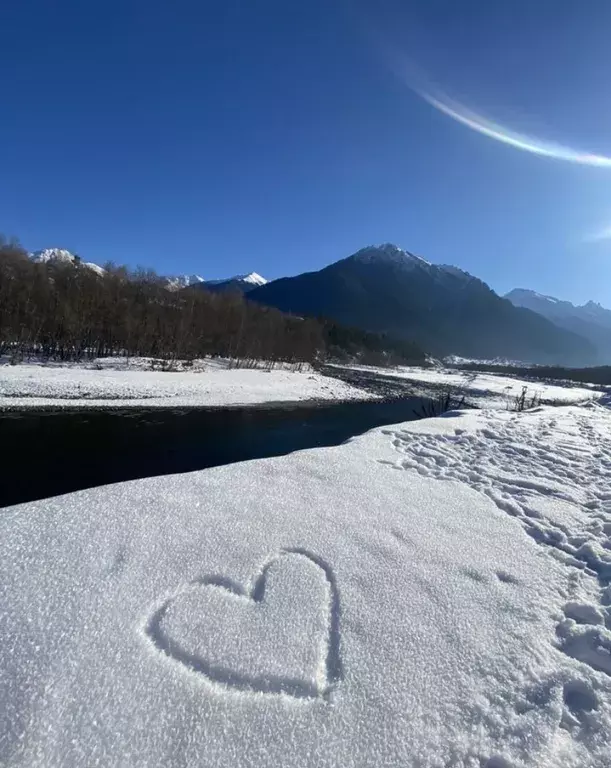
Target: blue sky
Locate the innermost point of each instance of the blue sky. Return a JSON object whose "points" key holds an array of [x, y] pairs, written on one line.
{"points": [[224, 137]]}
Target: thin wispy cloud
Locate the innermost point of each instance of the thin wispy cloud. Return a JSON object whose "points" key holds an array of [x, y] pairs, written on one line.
{"points": [[602, 234]]}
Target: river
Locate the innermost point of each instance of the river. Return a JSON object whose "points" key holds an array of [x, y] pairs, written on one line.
{"points": [[53, 452]]}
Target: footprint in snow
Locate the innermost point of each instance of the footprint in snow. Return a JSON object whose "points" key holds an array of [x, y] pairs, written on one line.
{"points": [[579, 700], [507, 578], [583, 635], [279, 636]]}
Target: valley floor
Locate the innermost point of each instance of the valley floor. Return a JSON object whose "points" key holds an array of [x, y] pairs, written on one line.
{"points": [[141, 383], [431, 594], [132, 383], [480, 389]]}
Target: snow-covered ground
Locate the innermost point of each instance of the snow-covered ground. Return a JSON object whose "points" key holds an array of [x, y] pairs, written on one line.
{"points": [[114, 382], [496, 391], [429, 595], [132, 382]]}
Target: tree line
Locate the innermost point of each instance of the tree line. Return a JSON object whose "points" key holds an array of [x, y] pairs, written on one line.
{"points": [[67, 311]]}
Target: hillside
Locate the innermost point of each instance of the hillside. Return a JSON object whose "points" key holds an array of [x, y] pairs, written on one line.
{"points": [[59, 307], [444, 309]]}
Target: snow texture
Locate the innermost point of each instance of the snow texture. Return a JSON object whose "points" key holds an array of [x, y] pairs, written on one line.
{"points": [[490, 389], [432, 594], [118, 382]]}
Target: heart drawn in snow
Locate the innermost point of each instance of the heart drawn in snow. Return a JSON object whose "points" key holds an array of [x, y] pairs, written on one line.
{"points": [[279, 636]]}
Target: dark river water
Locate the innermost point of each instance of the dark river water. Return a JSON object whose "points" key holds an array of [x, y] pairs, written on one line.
{"points": [[49, 453]]}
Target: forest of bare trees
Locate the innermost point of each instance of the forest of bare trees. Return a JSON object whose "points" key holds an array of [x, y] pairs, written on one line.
{"points": [[67, 311]]}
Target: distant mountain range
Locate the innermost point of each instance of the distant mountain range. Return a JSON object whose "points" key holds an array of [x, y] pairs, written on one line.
{"points": [[444, 309], [243, 283], [178, 282], [590, 320]]}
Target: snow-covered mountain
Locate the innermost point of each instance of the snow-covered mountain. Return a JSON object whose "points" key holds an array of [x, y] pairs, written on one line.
{"points": [[61, 255], [590, 320], [446, 310], [556, 308], [252, 278], [395, 258], [242, 283], [390, 254], [178, 282], [524, 297], [53, 254]]}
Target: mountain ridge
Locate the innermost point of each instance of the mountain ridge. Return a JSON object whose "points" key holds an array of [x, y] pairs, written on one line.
{"points": [[244, 282], [590, 320], [387, 289], [443, 308]]}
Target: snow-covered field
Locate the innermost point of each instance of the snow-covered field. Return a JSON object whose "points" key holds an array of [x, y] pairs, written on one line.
{"points": [[433, 594], [131, 382], [114, 382], [496, 391]]}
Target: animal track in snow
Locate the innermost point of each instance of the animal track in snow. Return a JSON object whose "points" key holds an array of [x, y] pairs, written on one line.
{"points": [[280, 636]]}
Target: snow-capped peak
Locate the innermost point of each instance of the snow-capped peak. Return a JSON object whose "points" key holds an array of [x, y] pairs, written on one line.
{"points": [[252, 277], [63, 256], [53, 254], [594, 306], [176, 282], [391, 254], [598, 313]]}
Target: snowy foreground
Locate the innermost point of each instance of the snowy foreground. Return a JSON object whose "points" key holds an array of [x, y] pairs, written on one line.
{"points": [[432, 594], [117, 382]]}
